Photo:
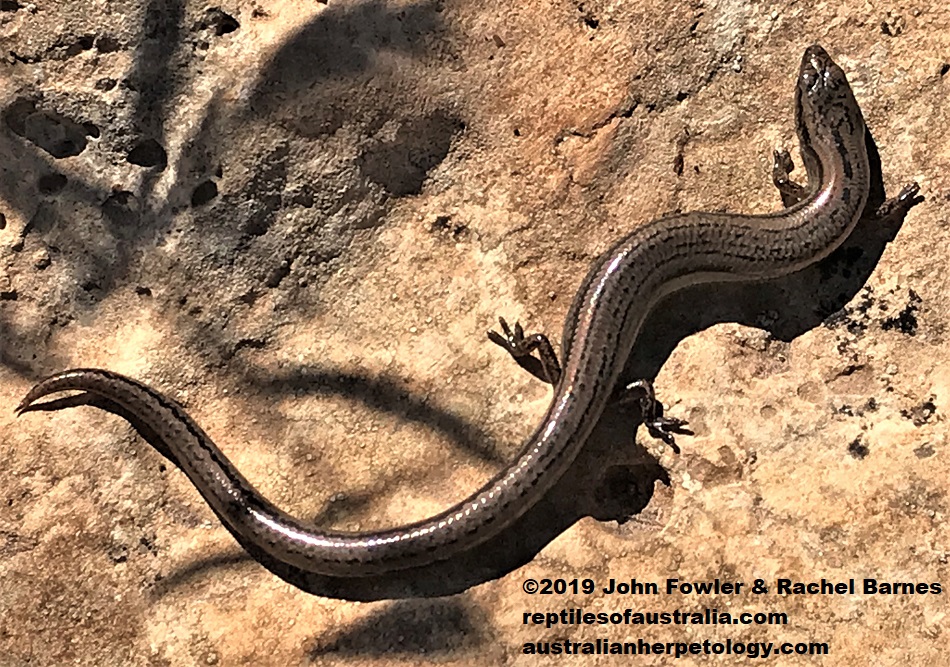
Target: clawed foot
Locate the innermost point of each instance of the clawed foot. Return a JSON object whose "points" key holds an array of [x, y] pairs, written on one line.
{"points": [[792, 193], [545, 366], [512, 341], [782, 166], [897, 207], [658, 426]]}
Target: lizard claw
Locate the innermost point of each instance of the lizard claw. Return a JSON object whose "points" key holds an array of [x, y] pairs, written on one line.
{"points": [[651, 410]]}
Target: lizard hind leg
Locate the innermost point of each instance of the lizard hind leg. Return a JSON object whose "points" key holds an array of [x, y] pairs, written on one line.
{"points": [[660, 427]]}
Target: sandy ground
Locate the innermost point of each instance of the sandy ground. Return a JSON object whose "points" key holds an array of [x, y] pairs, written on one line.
{"points": [[299, 219]]}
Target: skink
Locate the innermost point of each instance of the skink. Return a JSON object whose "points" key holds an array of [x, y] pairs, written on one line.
{"points": [[602, 327]]}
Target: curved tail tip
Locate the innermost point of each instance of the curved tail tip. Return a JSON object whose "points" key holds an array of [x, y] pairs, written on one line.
{"points": [[26, 405]]}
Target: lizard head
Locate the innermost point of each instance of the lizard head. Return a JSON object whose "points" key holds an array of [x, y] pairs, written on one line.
{"points": [[825, 108]]}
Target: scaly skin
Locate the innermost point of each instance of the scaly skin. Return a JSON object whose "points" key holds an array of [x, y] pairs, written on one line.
{"points": [[603, 326]]}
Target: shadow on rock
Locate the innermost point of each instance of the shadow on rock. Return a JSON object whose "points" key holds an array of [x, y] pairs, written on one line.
{"points": [[435, 628], [608, 481]]}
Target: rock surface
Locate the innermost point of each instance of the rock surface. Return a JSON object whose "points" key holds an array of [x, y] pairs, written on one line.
{"points": [[298, 219]]}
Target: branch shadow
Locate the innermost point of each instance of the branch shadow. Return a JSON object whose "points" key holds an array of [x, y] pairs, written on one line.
{"points": [[340, 44], [155, 80], [606, 482], [610, 482], [384, 395]]}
